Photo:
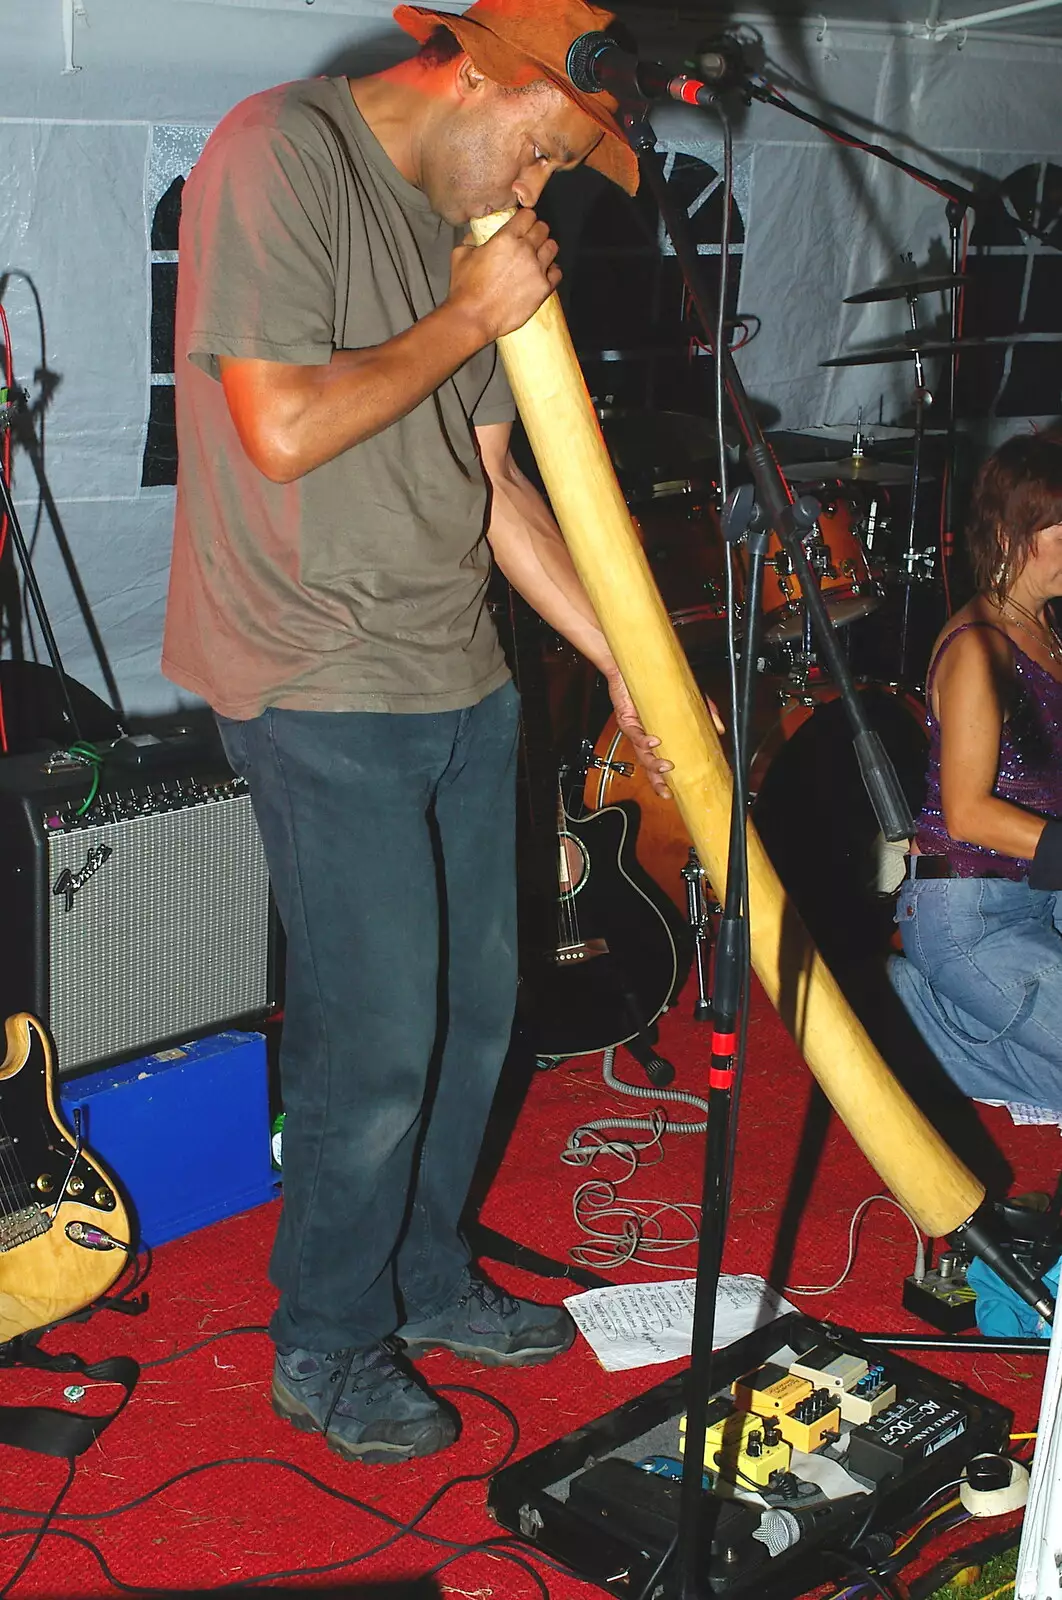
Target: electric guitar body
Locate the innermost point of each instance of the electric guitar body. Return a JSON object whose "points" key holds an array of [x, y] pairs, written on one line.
{"points": [[621, 950], [64, 1232]]}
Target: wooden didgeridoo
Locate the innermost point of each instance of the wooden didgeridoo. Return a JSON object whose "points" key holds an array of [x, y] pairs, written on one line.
{"points": [[557, 412]]}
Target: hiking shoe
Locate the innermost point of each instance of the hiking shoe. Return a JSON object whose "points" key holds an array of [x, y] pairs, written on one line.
{"points": [[487, 1325], [367, 1403]]}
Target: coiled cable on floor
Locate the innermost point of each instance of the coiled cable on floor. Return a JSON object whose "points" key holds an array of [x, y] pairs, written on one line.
{"points": [[617, 1230], [576, 1155]]}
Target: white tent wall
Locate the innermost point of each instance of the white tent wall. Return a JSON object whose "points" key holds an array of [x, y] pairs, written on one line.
{"points": [[86, 153]]}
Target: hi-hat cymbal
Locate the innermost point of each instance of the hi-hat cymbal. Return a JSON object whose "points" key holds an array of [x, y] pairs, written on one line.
{"points": [[929, 283], [850, 469], [880, 435], [937, 347], [791, 447], [656, 444]]}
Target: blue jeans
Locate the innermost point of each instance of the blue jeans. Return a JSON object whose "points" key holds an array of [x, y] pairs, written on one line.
{"points": [[982, 981], [390, 843]]}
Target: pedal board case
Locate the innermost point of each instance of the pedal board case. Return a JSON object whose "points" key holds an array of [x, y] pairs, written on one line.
{"points": [[585, 1502]]}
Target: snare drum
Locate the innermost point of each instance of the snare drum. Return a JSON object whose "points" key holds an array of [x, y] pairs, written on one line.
{"points": [[844, 575], [809, 805]]}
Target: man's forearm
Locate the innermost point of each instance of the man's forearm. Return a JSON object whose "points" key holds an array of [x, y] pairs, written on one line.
{"points": [[293, 418], [530, 551]]}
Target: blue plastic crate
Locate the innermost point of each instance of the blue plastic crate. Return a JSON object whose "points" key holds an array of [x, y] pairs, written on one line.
{"points": [[185, 1133]]}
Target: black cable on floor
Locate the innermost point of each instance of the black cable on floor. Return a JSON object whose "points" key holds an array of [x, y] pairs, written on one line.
{"points": [[40, 1532], [459, 1548]]}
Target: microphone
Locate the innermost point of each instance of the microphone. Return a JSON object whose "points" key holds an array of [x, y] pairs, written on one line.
{"points": [[596, 62], [782, 1527]]}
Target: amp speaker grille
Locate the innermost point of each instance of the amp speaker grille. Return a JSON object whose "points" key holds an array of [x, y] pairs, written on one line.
{"points": [[170, 934]]}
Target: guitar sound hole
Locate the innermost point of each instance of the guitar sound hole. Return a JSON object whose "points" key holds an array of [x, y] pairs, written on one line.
{"points": [[575, 865]]}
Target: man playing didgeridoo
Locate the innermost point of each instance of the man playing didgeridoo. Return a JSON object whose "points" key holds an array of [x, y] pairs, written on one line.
{"points": [[345, 477]]}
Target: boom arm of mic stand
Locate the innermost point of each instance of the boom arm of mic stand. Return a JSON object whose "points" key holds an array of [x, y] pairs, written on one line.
{"points": [[757, 88], [773, 494]]}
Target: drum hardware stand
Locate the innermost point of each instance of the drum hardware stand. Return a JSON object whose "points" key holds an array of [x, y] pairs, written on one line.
{"points": [[803, 663], [955, 211], [922, 399], [752, 511], [700, 911]]}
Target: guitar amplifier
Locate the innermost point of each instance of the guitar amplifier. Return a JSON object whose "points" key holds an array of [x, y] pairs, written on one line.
{"points": [[137, 914]]}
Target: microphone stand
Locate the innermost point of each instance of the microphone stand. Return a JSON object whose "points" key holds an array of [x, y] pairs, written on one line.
{"points": [[768, 506], [21, 549]]}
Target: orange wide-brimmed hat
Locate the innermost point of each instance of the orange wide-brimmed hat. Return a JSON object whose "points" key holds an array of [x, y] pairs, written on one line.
{"points": [[514, 42]]}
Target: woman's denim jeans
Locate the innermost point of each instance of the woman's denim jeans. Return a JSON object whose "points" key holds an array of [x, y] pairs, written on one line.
{"points": [[390, 843], [982, 981]]}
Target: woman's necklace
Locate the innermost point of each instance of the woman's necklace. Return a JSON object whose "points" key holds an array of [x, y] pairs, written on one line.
{"points": [[1050, 643]]}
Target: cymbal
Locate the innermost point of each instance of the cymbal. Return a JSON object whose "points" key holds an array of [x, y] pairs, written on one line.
{"points": [[834, 442], [880, 435], [850, 469], [790, 447], [929, 283], [656, 444], [937, 347]]}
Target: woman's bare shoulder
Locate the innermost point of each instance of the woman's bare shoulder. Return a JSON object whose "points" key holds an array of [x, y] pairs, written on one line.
{"points": [[973, 634]]}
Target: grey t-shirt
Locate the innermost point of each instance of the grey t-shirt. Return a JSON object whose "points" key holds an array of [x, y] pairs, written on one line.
{"points": [[360, 586]]}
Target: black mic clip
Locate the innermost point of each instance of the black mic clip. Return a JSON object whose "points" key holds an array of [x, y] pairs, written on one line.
{"points": [[596, 63]]}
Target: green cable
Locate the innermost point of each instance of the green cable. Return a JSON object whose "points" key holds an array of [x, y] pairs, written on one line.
{"points": [[88, 752], [93, 792]]}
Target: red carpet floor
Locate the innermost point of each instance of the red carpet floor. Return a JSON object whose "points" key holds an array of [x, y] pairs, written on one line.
{"points": [[244, 1520]]}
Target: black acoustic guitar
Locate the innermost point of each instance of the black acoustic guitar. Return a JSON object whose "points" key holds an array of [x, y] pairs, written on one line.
{"points": [[620, 950]]}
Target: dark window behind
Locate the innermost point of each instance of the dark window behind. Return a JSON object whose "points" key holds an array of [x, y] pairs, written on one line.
{"points": [[160, 448], [1015, 287]]}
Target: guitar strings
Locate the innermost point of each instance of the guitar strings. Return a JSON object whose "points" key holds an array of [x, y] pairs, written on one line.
{"points": [[14, 1180], [567, 911]]}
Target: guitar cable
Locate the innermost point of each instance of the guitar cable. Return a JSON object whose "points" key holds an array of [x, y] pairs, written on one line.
{"points": [[639, 1236], [459, 1549], [42, 1530]]}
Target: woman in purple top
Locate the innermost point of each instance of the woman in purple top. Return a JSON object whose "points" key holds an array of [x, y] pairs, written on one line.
{"points": [[980, 912]]}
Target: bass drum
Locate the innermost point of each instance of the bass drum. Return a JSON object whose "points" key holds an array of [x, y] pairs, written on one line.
{"points": [[809, 806]]}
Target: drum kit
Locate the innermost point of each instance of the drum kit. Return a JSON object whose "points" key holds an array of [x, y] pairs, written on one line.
{"points": [[808, 799]]}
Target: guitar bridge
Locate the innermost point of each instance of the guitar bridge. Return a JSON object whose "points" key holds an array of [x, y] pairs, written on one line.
{"points": [[568, 955], [21, 1226]]}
